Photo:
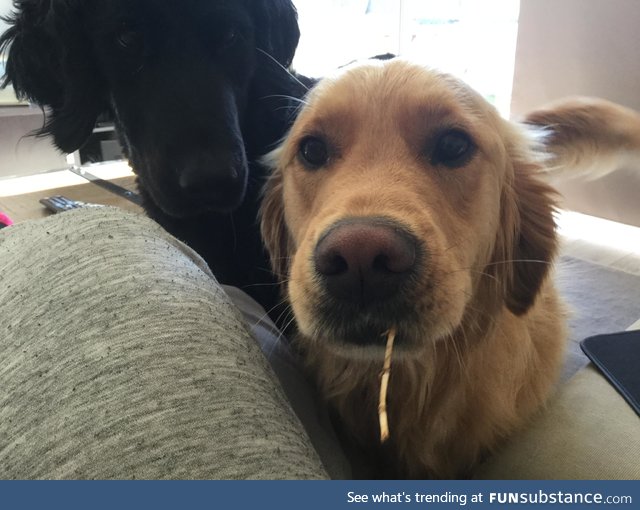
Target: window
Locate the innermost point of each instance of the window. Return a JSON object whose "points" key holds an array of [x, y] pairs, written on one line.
{"points": [[473, 40]]}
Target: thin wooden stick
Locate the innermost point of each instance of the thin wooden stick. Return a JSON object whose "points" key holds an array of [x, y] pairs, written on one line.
{"points": [[384, 387]]}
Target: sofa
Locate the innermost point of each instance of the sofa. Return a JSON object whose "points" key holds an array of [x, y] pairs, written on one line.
{"points": [[123, 358]]}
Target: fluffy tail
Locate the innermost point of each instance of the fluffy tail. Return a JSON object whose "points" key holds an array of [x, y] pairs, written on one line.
{"points": [[588, 138]]}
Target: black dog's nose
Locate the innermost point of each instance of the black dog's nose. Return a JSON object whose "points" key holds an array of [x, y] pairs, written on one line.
{"points": [[365, 260], [215, 181]]}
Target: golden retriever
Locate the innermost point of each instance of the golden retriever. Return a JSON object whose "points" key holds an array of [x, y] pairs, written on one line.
{"points": [[402, 199]]}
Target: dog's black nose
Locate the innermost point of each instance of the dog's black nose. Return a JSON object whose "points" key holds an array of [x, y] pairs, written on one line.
{"points": [[218, 183], [365, 260]]}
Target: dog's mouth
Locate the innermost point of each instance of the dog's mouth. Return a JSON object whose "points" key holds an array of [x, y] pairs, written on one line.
{"points": [[182, 206], [195, 195], [346, 326], [367, 273]]}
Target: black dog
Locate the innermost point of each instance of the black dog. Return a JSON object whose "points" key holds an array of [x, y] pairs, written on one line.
{"points": [[198, 89]]}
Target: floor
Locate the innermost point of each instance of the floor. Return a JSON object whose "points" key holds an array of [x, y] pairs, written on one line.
{"points": [[600, 241], [584, 237]]}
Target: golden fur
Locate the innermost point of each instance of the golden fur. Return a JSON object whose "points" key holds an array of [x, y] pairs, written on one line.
{"points": [[588, 137], [484, 342]]}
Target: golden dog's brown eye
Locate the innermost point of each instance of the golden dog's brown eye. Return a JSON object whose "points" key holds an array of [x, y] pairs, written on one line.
{"points": [[313, 152], [453, 149]]}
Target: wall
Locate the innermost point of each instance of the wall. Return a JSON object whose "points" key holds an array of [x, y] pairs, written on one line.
{"points": [[5, 8], [21, 154], [585, 47]]}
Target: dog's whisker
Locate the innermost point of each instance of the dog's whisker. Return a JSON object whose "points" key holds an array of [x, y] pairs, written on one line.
{"points": [[285, 303], [488, 275], [456, 351], [139, 69], [284, 318], [285, 281], [287, 257], [254, 285], [511, 261], [287, 321], [285, 96], [451, 247], [468, 269], [265, 270], [279, 65], [292, 108], [280, 334]]}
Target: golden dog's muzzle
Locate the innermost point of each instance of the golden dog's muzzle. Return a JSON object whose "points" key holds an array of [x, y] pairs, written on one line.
{"points": [[366, 269]]}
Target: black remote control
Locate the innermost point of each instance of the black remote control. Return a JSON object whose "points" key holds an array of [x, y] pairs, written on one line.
{"points": [[58, 203]]}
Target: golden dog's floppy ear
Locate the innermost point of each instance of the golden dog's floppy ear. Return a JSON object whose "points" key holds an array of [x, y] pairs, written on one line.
{"points": [[273, 226], [526, 243]]}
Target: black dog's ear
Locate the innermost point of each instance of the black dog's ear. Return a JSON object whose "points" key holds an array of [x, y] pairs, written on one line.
{"points": [[49, 63], [279, 33], [30, 65], [383, 56]]}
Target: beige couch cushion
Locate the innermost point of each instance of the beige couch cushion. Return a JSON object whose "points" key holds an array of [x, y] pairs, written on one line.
{"points": [[588, 431]]}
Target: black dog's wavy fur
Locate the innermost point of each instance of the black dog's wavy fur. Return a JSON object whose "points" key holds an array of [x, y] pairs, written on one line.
{"points": [[61, 55]]}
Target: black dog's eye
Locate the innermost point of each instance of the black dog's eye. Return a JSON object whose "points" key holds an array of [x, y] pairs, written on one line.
{"points": [[453, 149], [313, 151], [228, 38], [130, 39]]}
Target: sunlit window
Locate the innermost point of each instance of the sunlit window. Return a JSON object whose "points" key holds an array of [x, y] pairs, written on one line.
{"points": [[474, 40]]}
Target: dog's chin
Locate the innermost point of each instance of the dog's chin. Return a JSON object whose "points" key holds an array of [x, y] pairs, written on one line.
{"points": [[368, 345], [362, 333], [183, 206]]}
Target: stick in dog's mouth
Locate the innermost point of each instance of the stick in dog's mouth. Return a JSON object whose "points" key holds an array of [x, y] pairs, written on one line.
{"points": [[384, 386]]}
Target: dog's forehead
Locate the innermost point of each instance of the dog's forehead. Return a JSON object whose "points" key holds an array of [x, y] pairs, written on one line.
{"points": [[156, 11], [203, 6], [394, 88]]}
